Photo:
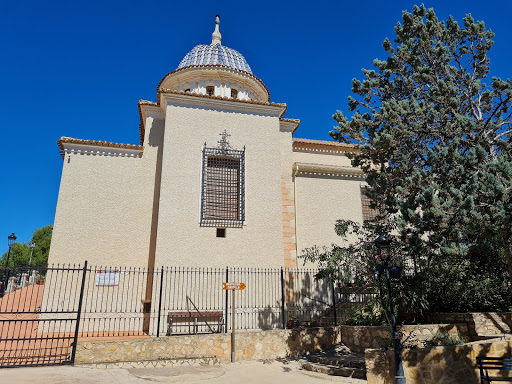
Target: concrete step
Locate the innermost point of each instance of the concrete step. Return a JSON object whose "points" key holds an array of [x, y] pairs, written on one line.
{"points": [[337, 379], [332, 370]]}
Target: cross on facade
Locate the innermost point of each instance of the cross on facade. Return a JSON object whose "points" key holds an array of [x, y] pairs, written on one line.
{"points": [[223, 142]]}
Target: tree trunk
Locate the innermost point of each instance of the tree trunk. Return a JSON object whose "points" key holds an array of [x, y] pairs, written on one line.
{"points": [[507, 243]]}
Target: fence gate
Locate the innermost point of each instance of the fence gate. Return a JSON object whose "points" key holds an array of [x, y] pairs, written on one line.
{"points": [[39, 314]]}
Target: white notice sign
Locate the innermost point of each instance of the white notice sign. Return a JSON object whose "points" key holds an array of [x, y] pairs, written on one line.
{"points": [[107, 278]]}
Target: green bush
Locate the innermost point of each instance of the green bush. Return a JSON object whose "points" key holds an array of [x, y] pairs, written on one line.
{"points": [[370, 314], [443, 339], [477, 283]]}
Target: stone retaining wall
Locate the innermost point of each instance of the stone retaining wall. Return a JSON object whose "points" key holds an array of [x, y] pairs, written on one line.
{"points": [[479, 323], [439, 365], [249, 346], [359, 338]]}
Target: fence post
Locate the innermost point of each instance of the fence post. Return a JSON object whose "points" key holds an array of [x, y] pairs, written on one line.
{"points": [[160, 301], [75, 339], [226, 307], [283, 315], [334, 304]]}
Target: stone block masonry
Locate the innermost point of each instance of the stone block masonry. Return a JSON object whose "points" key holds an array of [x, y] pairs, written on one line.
{"points": [[359, 338], [438, 365], [249, 346], [480, 324]]}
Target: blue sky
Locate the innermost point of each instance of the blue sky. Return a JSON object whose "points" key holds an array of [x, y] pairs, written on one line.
{"points": [[77, 69]]}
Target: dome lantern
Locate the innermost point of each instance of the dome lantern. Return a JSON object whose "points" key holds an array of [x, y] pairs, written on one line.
{"points": [[216, 36]]}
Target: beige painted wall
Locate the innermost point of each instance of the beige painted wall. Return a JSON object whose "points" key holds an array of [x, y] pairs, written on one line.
{"points": [[320, 201], [180, 239], [110, 213], [104, 210]]}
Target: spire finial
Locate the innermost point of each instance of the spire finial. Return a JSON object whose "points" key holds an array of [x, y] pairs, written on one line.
{"points": [[216, 36]]}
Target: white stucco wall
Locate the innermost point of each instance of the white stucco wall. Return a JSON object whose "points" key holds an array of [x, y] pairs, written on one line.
{"points": [[320, 201], [180, 239], [104, 209], [322, 198]]}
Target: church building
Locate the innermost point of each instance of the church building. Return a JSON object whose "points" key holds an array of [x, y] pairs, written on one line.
{"points": [[220, 178]]}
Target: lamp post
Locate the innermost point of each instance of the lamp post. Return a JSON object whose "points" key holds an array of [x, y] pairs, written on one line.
{"points": [[383, 243], [32, 246], [11, 239]]}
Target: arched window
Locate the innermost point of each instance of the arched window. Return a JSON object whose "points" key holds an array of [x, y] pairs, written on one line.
{"points": [[210, 90], [234, 93]]}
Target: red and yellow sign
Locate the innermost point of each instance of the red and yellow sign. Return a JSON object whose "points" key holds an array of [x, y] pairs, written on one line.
{"points": [[233, 286]]}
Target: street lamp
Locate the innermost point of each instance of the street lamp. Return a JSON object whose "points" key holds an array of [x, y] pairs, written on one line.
{"points": [[11, 239], [32, 246], [383, 243]]}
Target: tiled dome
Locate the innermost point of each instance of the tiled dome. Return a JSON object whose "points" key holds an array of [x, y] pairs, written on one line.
{"points": [[215, 54]]}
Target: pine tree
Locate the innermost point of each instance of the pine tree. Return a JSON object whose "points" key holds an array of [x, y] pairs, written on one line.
{"points": [[435, 137]]}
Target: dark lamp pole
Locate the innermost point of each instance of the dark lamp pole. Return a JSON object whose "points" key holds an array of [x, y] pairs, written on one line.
{"points": [[383, 242], [32, 246], [11, 239]]}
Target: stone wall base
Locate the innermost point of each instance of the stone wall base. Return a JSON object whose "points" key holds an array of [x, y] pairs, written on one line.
{"points": [[257, 345], [479, 323], [359, 338], [440, 365], [205, 361]]}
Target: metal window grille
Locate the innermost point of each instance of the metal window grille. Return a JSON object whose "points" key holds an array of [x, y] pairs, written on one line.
{"points": [[369, 213], [223, 189]]}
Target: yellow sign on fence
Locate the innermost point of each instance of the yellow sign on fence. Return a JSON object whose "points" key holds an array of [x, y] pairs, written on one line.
{"points": [[233, 286]]}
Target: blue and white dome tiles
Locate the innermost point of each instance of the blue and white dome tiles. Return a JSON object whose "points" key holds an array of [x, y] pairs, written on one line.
{"points": [[215, 54]]}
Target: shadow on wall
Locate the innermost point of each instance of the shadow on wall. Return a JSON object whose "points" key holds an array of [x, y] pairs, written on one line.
{"points": [[304, 341], [268, 318], [306, 301], [440, 365], [506, 321], [481, 325]]}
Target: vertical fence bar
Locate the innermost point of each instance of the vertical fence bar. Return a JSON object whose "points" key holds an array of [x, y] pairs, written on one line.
{"points": [[160, 302], [226, 307], [282, 299], [75, 340], [334, 304]]}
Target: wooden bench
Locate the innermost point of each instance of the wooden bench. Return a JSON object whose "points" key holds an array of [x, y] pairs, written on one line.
{"points": [[494, 364], [213, 321]]}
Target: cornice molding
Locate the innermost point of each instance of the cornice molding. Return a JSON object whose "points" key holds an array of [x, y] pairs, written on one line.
{"points": [[270, 109], [322, 150], [70, 146], [318, 144], [289, 125], [304, 169]]}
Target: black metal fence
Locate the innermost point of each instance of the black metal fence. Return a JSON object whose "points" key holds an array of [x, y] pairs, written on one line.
{"points": [[172, 300], [40, 323], [35, 331]]}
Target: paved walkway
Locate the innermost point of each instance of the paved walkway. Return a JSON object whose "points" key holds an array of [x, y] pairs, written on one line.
{"points": [[246, 372]]}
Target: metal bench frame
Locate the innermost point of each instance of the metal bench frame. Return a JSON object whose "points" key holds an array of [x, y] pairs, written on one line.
{"points": [[194, 317], [493, 363]]}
